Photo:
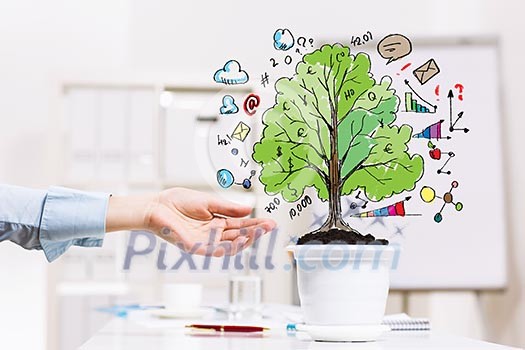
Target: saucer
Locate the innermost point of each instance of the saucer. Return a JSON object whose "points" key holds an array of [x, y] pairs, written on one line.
{"points": [[356, 333], [197, 312]]}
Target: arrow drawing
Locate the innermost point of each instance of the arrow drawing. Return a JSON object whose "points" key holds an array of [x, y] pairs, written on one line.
{"points": [[452, 127]]}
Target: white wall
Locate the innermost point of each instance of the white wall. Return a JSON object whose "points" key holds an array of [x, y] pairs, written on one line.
{"points": [[44, 40], [504, 314], [38, 41]]}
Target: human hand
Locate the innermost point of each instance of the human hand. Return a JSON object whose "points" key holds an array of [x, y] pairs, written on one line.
{"points": [[197, 222]]}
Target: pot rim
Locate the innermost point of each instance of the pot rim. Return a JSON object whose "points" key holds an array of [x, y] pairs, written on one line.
{"points": [[354, 252]]}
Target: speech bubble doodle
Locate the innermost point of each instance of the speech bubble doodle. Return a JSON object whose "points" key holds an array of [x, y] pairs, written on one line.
{"points": [[283, 39], [394, 47]]}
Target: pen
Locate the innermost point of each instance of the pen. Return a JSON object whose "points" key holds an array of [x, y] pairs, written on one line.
{"points": [[225, 328]]}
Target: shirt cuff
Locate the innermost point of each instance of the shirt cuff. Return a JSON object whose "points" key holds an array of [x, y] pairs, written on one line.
{"points": [[72, 217]]}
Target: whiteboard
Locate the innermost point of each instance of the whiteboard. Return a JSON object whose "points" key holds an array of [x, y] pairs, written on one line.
{"points": [[467, 248]]}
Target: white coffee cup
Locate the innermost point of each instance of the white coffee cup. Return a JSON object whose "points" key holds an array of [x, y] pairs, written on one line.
{"points": [[182, 296]]}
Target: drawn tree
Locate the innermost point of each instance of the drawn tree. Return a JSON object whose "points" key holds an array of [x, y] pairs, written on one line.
{"points": [[331, 128]]}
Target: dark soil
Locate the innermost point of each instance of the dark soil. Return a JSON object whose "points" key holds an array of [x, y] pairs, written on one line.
{"points": [[336, 236]]}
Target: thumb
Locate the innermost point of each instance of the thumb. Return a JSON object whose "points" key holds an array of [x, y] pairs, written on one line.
{"points": [[227, 208]]}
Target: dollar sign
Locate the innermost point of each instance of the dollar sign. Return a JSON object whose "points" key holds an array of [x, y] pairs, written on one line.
{"points": [[290, 165], [292, 189], [279, 152]]}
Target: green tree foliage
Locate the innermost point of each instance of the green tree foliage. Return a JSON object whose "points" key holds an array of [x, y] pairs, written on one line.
{"points": [[333, 103], [388, 168]]}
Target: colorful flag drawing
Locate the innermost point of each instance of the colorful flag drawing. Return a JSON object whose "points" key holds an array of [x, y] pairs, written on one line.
{"points": [[396, 209], [431, 132]]}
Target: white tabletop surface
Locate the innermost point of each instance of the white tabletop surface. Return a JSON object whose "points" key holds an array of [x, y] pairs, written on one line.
{"points": [[124, 334]]}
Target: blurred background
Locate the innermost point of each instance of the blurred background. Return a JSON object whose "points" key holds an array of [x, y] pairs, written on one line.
{"points": [[84, 103]]}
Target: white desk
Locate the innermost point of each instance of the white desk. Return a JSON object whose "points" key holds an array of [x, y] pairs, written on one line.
{"points": [[126, 335]]}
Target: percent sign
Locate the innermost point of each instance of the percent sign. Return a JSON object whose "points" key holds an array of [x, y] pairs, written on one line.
{"points": [[251, 103]]}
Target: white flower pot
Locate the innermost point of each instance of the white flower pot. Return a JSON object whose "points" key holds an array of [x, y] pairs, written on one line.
{"points": [[343, 284]]}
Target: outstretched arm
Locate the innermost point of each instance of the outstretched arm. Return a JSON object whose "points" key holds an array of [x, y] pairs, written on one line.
{"points": [[52, 220], [56, 219]]}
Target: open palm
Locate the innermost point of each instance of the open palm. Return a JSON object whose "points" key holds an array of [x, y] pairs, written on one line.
{"points": [[203, 224]]}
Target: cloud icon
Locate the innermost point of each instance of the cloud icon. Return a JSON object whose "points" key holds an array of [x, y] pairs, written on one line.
{"points": [[231, 74], [228, 105], [283, 39]]}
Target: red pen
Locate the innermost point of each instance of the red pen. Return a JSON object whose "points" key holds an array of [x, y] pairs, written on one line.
{"points": [[225, 328]]}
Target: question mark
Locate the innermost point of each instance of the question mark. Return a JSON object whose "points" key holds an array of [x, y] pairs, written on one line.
{"points": [[460, 88], [311, 41], [299, 41]]}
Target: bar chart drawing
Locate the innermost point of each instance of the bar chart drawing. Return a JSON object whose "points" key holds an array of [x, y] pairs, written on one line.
{"points": [[413, 105], [432, 132]]}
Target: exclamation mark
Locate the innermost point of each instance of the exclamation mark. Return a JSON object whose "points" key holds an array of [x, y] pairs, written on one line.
{"points": [[404, 67]]}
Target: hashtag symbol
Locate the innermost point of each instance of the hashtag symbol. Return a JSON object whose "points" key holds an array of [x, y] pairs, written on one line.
{"points": [[265, 79]]}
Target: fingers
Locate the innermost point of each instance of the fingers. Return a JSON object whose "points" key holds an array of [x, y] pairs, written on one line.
{"points": [[212, 245], [218, 206], [250, 231], [237, 235], [231, 248], [233, 223], [269, 224], [223, 248], [235, 241]]}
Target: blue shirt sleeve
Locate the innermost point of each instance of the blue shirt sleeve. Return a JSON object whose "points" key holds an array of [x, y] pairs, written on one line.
{"points": [[53, 220]]}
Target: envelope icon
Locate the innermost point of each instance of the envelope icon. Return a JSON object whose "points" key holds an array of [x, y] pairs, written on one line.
{"points": [[427, 71], [241, 131]]}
